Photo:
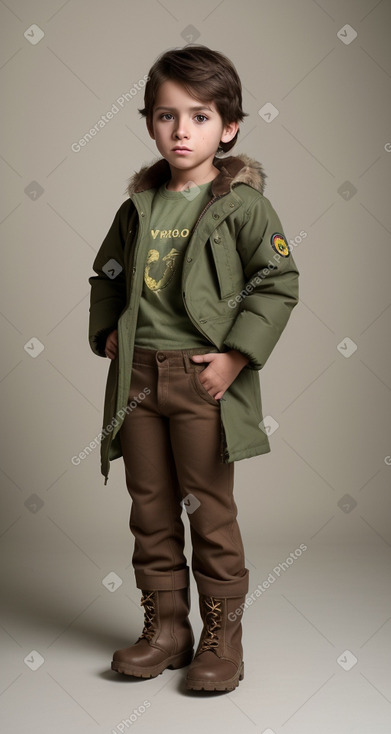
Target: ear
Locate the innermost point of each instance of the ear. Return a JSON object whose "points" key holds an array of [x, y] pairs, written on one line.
{"points": [[229, 132]]}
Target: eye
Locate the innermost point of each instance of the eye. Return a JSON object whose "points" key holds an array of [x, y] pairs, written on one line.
{"points": [[204, 116], [161, 117]]}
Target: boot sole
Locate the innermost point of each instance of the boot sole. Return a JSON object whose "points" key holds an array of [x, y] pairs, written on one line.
{"points": [[225, 685], [173, 662]]}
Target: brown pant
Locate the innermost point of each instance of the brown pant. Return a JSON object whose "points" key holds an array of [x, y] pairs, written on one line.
{"points": [[171, 445]]}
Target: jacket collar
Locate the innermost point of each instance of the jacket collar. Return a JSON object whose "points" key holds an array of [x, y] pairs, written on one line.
{"points": [[233, 170]]}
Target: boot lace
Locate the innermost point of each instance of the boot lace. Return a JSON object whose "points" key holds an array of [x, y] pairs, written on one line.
{"points": [[148, 602], [212, 623]]}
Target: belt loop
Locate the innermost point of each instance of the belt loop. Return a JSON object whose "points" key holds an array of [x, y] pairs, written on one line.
{"points": [[187, 363]]}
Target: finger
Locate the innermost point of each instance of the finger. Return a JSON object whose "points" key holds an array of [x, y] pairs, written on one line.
{"points": [[202, 357]]}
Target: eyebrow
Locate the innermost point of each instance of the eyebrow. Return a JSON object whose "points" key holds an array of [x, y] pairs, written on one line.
{"points": [[193, 109]]}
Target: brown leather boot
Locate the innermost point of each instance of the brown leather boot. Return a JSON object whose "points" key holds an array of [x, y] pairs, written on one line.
{"points": [[218, 663], [167, 639]]}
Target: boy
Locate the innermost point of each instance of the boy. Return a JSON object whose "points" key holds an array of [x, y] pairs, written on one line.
{"points": [[195, 269]]}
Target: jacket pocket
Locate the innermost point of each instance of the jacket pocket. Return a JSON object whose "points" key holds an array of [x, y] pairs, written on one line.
{"points": [[227, 264]]}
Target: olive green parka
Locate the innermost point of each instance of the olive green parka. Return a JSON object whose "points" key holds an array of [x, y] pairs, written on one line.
{"points": [[239, 286]]}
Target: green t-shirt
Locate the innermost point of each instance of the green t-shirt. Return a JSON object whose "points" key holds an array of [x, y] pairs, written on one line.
{"points": [[163, 322]]}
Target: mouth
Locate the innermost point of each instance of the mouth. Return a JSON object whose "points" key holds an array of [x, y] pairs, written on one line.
{"points": [[180, 149]]}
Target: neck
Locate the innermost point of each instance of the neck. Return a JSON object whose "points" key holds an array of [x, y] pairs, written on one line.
{"points": [[188, 179]]}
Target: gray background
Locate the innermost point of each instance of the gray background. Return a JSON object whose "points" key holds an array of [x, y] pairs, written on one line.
{"points": [[326, 482]]}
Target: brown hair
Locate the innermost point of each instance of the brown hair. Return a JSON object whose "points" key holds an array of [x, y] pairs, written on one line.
{"points": [[206, 75]]}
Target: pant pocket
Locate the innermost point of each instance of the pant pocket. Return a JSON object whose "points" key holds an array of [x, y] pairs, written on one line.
{"points": [[199, 387]]}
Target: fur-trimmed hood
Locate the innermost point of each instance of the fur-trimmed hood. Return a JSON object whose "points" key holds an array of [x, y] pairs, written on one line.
{"points": [[233, 170]]}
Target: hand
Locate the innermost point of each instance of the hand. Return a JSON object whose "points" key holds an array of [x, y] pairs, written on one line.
{"points": [[222, 370], [111, 347]]}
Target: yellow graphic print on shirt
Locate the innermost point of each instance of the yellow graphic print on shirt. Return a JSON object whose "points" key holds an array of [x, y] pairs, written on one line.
{"points": [[162, 319], [154, 263]]}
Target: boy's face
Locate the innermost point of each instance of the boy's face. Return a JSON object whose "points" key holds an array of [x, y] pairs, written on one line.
{"points": [[182, 121]]}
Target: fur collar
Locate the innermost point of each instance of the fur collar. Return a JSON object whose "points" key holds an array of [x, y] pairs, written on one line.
{"points": [[233, 170]]}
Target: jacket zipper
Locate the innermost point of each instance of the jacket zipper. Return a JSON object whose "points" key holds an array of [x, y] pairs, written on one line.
{"points": [[138, 232], [212, 201], [223, 444], [191, 234]]}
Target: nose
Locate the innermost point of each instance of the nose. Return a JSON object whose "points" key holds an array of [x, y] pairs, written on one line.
{"points": [[181, 129]]}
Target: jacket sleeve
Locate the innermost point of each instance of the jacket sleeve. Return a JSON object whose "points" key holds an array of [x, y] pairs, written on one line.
{"points": [[108, 286], [271, 289]]}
